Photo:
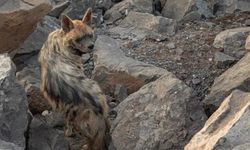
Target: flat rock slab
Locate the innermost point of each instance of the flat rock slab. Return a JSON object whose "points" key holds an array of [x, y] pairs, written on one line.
{"points": [[140, 25], [232, 41], [161, 115], [112, 67], [228, 128], [18, 20], [237, 77], [14, 108]]}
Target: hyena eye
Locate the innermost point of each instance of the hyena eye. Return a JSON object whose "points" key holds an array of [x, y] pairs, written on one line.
{"points": [[79, 39]]}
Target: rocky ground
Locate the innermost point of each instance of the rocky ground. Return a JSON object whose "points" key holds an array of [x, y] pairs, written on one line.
{"points": [[176, 73]]}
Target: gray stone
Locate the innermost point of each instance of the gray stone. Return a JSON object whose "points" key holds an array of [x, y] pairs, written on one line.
{"points": [[177, 9], [222, 60], [112, 16], [170, 45], [77, 8], [228, 128], [13, 107], [247, 45], [144, 6], [236, 77], [112, 67], [161, 115], [230, 6], [58, 9], [232, 41], [150, 22], [18, 19], [36, 40], [138, 26], [43, 137], [247, 22]]}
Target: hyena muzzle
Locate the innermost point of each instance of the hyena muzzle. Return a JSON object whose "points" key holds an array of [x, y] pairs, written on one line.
{"points": [[67, 89]]}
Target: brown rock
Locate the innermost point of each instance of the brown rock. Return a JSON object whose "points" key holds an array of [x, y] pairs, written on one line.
{"points": [[247, 46], [162, 115], [112, 67], [237, 77], [232, 41], [18, 20], [228, 128]]}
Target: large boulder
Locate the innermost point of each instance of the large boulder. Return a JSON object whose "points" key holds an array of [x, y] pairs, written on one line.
{"points": [[161, 115], [14, 108], [192, 9], [237, 77], [137, 26], [223, 7], [228, 128], [113, 68], [18, 20], [232, 41], [77, 8], [44, 137], [36, 40]]}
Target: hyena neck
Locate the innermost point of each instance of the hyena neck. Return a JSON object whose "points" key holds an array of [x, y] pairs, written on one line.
{"points": [[61, 55]]}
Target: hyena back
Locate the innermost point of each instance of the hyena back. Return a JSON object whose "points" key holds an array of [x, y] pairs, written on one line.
{"points": [[65, 86]]}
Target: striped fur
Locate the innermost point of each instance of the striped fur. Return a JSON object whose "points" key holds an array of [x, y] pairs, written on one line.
{"points": [[67, 89]]}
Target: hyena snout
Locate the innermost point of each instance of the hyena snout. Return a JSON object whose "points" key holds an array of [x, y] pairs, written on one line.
{"points": [[91, 45]]}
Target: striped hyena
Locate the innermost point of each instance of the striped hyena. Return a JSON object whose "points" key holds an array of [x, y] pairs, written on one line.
{"points": [[65, 86]]}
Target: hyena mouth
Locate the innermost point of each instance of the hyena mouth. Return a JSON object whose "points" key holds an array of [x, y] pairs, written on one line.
{"points": [[78, 52]]}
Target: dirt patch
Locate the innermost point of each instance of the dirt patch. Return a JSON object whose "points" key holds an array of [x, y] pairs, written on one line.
{"points": [[190, 53]]}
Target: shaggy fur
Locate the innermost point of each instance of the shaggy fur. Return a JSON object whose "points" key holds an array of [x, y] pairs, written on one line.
{"points": [[65, 86]]}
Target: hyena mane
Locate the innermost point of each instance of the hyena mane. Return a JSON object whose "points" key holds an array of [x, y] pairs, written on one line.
{"points": [[65, 86]]}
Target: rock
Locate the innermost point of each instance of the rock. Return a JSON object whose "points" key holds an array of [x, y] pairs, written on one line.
{"points": [[58, 9], [223, 61], [43, 137], [236, 77], [144, 6], [77, 7], [14, 108], [18, 20], [9, 146], [148, 21], [247, 45], [170, 45], [223, 7], [247, 22], [112, 67], [177, 9], [29, 78], [112, 16], [138, 26], [120, 92], [36, 40], [161, 115], [232, 41], [228, 127]]}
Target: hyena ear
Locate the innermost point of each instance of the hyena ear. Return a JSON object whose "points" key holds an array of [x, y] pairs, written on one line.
{"points": [[67, 24], [87, 18]]}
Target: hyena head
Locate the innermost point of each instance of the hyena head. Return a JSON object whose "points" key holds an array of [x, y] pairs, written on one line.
{"points": [[78, 36]]}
